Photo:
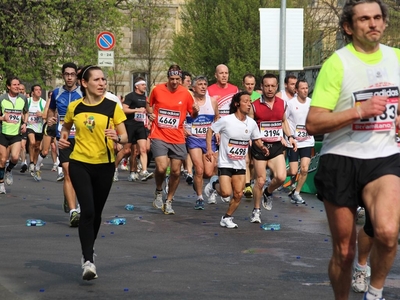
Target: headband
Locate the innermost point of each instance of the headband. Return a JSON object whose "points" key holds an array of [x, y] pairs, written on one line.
{"points": [[83, 74], [175, 73], [140, 82]]}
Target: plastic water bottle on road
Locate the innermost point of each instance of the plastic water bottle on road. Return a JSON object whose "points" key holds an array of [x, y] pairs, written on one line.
{"points": [[35, 222], [271, 226]]}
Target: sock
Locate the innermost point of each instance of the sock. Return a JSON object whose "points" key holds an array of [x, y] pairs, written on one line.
{"points": [[256, 209], [227, 216], [267, 193], [297, 193], [159, 191], [361, 267], [2, 174], [247, 184], [71, 211], [59, 169], [23, 162], [10, 166], [39, 161], [200, 197], [374, 293]]}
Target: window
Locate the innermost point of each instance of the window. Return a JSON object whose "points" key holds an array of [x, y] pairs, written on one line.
{"points": [[140, 42]]}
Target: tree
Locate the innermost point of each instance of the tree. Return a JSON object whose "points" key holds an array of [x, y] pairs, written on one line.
{"points": [[152, 29], [39, 36]]}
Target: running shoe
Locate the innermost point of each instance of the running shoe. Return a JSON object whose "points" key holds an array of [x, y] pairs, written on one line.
{"points": [[158, 201], [24, 167], [213, 198], [133, 176], [228, 223], [74, 219], [365, 297], [248, 192], [297, 199], [189, 179], [360, 213], [256, 216], [37, 175], [89, 271], [2, 188], [139, 164], [208, 189], [9, 178], [359, 282], [115, 178], [226, 199], [199, 204], [54, 168], [144, 175], [267, 201], [167, 208], [32, 169], [60, 177]]}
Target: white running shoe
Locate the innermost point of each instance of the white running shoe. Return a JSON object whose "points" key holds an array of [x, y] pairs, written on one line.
{"points": [[144, 175], [167, 208], [133, 176], [297, 199], [267, 202], [208, 189], [2, 188], [9, 178], [256, 216], [60, 177], [37, 175], [213, 198], [158, 201], [226, 199], [89, 271], [228, 223], [360, 280], [115, 178], [54, 168]]}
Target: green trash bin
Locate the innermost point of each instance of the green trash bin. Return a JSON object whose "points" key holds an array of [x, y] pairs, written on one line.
{"points": [[309, 186]]}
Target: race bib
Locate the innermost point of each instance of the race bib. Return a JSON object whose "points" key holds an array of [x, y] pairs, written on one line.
{"points": [[168, 119], [199, 129], [237, 150], [33, 118], [14, 115], [385, 121], [61, 123], [271, 131], [301, 133], [139, 117]]}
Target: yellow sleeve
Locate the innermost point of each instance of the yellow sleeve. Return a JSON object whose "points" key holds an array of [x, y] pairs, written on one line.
{"points": [[119, 115], [329, 81], [70, 112]]}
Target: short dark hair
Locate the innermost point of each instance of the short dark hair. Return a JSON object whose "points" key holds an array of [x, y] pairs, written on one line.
{"points": [[236, 101], [33, 87], [269, 75], [348, 13], [290, 76], [10, 79], [298, 82], [248, 75], [186, 73], [69, 65]]}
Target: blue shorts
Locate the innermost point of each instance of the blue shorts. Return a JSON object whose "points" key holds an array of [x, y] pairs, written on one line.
{"points": [[193, 142]]}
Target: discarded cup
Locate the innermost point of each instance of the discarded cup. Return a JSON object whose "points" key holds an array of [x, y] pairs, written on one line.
{"points": [[129, 207], [271, 226], [35, 222], [117, 221]]}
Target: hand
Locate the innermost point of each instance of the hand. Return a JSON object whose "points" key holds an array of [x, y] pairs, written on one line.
{"points": [[63, 143], [283, 141], [293, 142], [142, 110], [265, 150], [23, 128], [151, 117], [111, 134], [39, 113], [217, 138], [372, 107], [196, 108], [209, 155], [51, 121]]}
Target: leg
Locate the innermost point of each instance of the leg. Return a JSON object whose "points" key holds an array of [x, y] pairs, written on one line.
{"points": [[174, 177], [304, 164], [260, 177], [343, 230], [278, 168], [381, 201], [196, 155]]}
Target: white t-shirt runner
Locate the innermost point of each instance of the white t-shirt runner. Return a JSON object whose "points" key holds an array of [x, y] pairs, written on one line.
{"points": [[234, 140]]}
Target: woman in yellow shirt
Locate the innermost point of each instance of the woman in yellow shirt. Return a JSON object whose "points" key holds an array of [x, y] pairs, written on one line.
{"points": [[98, 123]]}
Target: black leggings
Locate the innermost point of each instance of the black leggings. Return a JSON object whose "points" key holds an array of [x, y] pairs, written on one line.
{"points": [[92, 184]]}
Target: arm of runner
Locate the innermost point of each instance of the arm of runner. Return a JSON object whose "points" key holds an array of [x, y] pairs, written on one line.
{"points": [[63, 141], [209, 153], [286, 131], [321, 120], [259, 143]]}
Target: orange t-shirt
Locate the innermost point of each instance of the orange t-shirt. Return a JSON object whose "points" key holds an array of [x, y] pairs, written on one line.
{"points": [[170, 109]]}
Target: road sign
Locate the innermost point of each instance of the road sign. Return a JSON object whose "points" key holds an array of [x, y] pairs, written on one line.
{"points": [[106, 59], [105, 40]]}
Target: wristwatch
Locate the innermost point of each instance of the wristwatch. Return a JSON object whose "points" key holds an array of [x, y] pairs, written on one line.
{"points": [[119, 138]]}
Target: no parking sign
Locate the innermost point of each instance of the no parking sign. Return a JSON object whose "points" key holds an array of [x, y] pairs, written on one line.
{"points": [[105, 41]]}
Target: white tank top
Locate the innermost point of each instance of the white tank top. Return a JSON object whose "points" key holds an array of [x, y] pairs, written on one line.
{"points": [[374, 137]]}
